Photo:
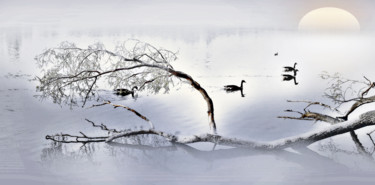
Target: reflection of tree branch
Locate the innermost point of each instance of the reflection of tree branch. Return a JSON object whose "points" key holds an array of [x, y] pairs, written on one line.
{"points": [[372, 140], [359, 145], [143, 153]]}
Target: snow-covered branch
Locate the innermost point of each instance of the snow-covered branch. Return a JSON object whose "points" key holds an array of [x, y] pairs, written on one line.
{"points": [[358, 101], [366, 119], [72, 74]]}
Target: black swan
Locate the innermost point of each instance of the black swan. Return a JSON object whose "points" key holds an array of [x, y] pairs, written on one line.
{"points": [[234, 87], [125, 92]]}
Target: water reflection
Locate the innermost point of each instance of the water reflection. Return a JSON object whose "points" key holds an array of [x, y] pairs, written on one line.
{"points": [[170, 161], [252, 117], [57, 152], [293, 76], [288, 77], [14, 45]]}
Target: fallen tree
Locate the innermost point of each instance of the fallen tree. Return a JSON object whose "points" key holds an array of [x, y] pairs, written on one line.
{"points": [[305, 139], [71, 72]]}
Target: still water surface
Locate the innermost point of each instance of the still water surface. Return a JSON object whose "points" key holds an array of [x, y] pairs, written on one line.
{"points": [[214, 57]]}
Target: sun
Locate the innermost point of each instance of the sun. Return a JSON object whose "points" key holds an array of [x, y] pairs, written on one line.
{"points": [[329, 19]]}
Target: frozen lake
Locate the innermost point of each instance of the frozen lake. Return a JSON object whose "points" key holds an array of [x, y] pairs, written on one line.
{"points": [[214, 56]]}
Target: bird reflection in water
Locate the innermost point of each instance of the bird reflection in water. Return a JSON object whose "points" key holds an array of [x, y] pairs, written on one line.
{"points": [[289, 77]]}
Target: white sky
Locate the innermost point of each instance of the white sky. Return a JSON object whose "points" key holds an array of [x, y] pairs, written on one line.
{"points": [[264, 14]]}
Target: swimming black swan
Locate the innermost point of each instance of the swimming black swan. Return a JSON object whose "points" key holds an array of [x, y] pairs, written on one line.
{"points": [[290, 69], [287, 77], [234, 87], [125, 92]]}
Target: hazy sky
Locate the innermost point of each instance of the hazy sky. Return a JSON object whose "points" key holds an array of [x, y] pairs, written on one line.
{"points": [[258, 14]]}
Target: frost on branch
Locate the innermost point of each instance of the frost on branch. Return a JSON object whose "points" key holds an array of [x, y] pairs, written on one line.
{"points": [[71, 74], [341, 91]]}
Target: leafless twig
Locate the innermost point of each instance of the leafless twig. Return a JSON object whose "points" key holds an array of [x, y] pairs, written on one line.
{"points": [[102, 126], [127, 108], [315, 103]]}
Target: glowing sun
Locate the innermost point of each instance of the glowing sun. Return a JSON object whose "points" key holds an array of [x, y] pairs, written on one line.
{"points": [[329, 19]]}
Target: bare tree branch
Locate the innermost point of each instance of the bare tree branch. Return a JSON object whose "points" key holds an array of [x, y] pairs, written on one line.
{"points": [[127, 108], [357, 104], [315, 103], [338, 96], [312, 116], [88, 92], [67, 138], [76, 71], [101, 126], [307, 115], [366, 119]]}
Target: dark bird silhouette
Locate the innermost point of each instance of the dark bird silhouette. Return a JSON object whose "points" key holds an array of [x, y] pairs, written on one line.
{"points": [[234, 87], [276, 54], [287, 77], [126, 92], [291, 69]]}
